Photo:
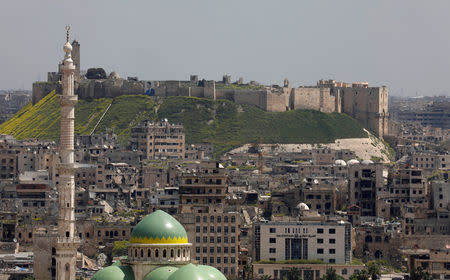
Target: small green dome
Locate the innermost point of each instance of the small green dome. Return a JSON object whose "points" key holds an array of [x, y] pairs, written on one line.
{"points": [[114, 272], [197, 272], [161, 273], [159, 228]]}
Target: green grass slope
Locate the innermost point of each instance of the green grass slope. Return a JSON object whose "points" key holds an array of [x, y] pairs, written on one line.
{"points": [[223, 123], [228, 125]]}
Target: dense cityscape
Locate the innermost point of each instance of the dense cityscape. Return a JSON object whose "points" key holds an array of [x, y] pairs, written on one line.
{"points": [[110, 177]]}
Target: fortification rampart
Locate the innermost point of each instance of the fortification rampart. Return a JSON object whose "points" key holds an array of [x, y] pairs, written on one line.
{"points": [[369, 105]]}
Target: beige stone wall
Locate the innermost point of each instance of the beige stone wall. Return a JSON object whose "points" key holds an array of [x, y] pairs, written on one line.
{"points": [[41, 89]]}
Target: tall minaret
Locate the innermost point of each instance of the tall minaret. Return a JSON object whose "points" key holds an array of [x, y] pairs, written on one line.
{"points": [[67, 243]]}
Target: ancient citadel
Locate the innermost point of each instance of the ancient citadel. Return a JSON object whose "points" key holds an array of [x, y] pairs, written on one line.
{"points": [[368, 105]]}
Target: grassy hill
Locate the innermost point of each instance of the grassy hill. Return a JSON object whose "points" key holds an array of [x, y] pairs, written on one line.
{"points": [[223, 123]]}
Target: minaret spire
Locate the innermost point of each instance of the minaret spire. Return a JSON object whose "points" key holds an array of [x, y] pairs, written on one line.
{"points": [[67, 243]]}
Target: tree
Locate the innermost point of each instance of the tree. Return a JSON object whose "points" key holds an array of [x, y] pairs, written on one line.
{"points": [[374, 269], [248, 272], [294, 274], [266, 277], [120, 248], [360, 275], [95, 73], [420, 274], [331, 275]]}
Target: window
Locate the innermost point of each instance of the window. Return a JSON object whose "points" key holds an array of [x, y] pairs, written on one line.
{"points": [[272, 240], [332, 241], [320, 230], [197, 250], [233, 219], [205, 239], [272, 250], [211, 260], [319, 251], [332, 231], [205, 250], [272, 230], [332, 251], [319, 241], [197, 219], [197, 229], [233, 239], [332, 261], [211, 239], [211, 250], [218, 260], [260, 270], [197, 239]]}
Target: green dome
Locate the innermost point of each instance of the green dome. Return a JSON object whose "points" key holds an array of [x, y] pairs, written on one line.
{"points": [[212, 272], [114, 272], [159, 228], [194, 272], [161, 273]]}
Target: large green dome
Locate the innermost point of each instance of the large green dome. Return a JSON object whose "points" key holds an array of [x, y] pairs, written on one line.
{"points": [[114, 272], [159, 228], [161, 273], [197, 272]]}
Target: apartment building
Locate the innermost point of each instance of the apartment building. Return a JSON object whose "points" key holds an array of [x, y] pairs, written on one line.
{"points": [[212, 226], [365, 181], [159, 140]]}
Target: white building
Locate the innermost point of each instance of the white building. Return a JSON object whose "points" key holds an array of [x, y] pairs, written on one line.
{"points": [[327, 241]]}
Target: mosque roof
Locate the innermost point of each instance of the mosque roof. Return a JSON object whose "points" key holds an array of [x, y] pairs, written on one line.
{"points": [[196, 272], [161, 273], [159, 228], [114, 272]]}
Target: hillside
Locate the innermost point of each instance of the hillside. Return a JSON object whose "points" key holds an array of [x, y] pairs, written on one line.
{"points": [[223, 123]]}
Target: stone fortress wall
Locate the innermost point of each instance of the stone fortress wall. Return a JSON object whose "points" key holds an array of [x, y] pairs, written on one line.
{"points": [[368, 105]]}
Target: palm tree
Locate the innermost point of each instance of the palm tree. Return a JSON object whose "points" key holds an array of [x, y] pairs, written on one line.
{"points": [[374, 269], [420, 274], [248, 272], [360, 275], [294, 274], [331, 275]]}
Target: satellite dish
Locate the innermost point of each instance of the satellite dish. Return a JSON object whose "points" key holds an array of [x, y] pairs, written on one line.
{"points": [[15, 240]]}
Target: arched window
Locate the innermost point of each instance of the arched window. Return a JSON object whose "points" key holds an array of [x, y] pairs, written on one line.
{"points": [[184, 253], [368, 239], [149, 253], [142, 253], [157, 253], [164, 253], [135, 253], [171, 253], [179, 253]]}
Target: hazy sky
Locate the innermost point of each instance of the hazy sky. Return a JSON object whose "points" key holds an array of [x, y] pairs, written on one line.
{"points": [[403, 44]]}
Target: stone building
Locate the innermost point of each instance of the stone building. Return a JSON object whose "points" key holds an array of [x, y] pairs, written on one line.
{"points": [[158, 140]]}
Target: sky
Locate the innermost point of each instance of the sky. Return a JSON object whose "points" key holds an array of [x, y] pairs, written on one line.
{"points": [[403, 44]]}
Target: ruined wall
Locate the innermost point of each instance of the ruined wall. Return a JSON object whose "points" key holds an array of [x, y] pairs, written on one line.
{"points": [[108, 88], [277, 102], [41, 89], [256, 98]]}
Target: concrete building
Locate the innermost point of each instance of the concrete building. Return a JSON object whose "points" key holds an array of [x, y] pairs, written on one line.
{"points": [[329, 241], [160, 140], [365, 180], [211, 224]]}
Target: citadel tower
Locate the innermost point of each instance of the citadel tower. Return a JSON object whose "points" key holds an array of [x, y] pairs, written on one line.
{"points": [[67, 243]]}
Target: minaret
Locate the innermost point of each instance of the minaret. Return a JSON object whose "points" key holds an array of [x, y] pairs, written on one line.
{"points": [[67, 243]]}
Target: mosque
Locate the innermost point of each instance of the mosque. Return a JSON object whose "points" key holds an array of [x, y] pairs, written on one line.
{"points": [[158, 250]]}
